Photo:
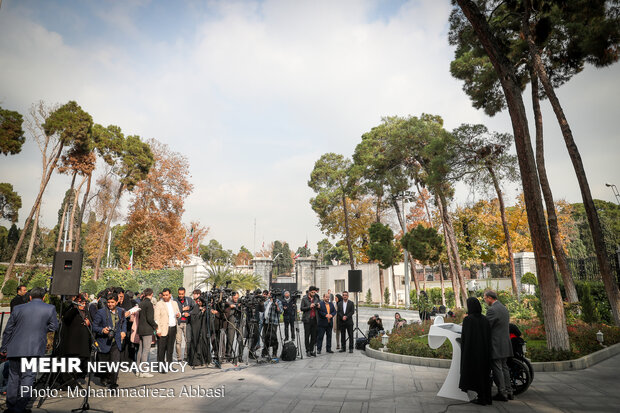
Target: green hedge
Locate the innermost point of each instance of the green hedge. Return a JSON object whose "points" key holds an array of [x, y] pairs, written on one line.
{"points": [[136, 280]]}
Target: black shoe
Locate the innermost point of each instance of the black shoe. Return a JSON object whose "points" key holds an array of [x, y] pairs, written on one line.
{"points": [[329, 351], [312, 354], [500, 397], [510, 396], [350, 350], [480, 402], [318, 352], [342, 351]]}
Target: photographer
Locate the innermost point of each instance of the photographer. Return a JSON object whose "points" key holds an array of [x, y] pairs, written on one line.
{"points": [[217, 321], [310, 309], [375, 324], [290, 314], [110, 327], [233, 327], [255, 304], [273, 309], [75, 335]]}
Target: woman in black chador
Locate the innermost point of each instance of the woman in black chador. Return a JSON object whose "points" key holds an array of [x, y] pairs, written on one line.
{"points": [[200, 346], [476, 353], [75, 337]]}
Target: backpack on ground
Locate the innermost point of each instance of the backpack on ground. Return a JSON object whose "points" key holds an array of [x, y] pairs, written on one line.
{"points": [[289, 351], [360, 343]]}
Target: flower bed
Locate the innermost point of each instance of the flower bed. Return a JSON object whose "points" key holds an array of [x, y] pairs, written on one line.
{"points": [[412, 340]]}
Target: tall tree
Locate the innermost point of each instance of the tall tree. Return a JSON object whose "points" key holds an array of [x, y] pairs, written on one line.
{"points": [[333, 183], [70, 123], [11, 133], [154, 229], [482, 158], [551, 300], [382, 248], [609, 280], [10, 203], [550, 42], [424, 244], [131, 160]]}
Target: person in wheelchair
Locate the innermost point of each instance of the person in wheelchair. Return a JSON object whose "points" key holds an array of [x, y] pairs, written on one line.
{"points": [[374, 326]]}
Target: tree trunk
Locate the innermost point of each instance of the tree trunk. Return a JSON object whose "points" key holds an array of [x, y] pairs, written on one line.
{"points": [[443, 293], [449, 228], [502, 211], [424, 275], [72, 217], [411, 264], [382, 286], [551, 300], [78, 235], [105, 231], [451, 265], [35, 225], [346, 231], [556, 242], [62, 224], [394, 287], [381, 279], [37, 202]]}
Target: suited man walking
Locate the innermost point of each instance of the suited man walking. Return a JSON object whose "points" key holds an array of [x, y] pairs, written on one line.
{"points": [[327, 311], [110, 320], [25, 335], [346, 309], [501, 348], [166, 315]]}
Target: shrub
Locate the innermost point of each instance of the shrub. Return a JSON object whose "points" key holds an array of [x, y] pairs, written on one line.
{"points": [[90, 287], [529, 278], [369, 297], [386, 296], [589, 312], [10, 288]]}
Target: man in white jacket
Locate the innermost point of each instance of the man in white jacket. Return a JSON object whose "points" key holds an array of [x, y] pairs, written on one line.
{"points": [[166, 316]]}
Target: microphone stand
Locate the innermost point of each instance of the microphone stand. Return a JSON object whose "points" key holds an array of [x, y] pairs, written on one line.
{"points": [[93, 352]]}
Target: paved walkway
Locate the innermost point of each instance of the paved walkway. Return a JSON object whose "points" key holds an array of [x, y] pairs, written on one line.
{"points": [[344, 382]]}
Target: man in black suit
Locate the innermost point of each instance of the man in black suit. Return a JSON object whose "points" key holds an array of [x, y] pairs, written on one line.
{"points": [[25, 336], [20, 298], [325, 324], [310, 309], [346, 309], [110, 320], [501, 347]]}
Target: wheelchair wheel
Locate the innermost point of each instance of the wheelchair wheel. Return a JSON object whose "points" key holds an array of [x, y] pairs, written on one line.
{"points": [[520, 375]]}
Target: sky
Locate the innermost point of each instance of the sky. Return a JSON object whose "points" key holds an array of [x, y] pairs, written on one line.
{"points": [[254, 92]]}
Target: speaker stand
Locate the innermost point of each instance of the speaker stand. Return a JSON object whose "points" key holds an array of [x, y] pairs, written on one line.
{"points": [[357, 319]]}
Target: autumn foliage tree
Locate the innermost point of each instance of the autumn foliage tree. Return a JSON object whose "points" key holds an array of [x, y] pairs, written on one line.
{"points": [[69, 124], [154, 228]]}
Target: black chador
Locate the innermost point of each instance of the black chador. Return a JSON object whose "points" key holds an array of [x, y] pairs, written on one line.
{"points": [[476, 353]]}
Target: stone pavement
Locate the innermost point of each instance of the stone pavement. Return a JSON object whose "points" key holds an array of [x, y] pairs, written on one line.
{"points": [[344, 382]]}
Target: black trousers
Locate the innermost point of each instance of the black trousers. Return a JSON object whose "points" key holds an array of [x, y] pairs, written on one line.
{"points": [[233, 330], [347, 329], [252, 333], [165, 345], [270, 339], [113, 355], [310, 334], [287, 324]]}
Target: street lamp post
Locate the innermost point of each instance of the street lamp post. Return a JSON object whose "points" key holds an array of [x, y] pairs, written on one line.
{"points": [[614, 189], [406, 196]]}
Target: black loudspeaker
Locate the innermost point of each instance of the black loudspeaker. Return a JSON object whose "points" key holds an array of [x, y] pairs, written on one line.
{"points": [[66, 273], [355, 281]]}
